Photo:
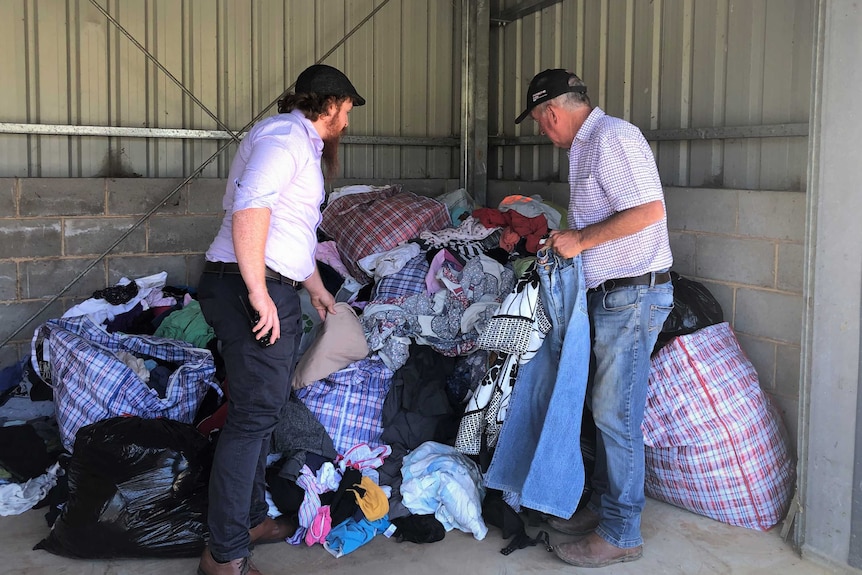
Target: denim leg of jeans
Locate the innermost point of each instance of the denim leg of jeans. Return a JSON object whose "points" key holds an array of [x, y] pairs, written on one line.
{"points": [[625, 323], [538, 454], [258, 382]]}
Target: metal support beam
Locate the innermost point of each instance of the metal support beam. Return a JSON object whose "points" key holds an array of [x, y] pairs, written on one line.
{"points": [[168, 133], [161, 67], [521, 10], [475, 47], [717, 133]]}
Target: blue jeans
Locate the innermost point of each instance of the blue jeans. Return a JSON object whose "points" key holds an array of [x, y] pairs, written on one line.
{"points": [[258, 381], [538, 454], [625, 324]]}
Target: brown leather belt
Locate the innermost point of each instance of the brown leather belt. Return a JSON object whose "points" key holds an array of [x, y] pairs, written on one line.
{"points": [[648, 279], [233, 268]]}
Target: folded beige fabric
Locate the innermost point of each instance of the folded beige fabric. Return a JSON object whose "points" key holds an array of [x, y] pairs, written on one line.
{"points": [[340, 342]]}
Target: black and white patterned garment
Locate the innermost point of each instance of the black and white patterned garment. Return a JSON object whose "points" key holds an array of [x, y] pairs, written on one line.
{"points": [[468, 240], [486, 421], [486, 410]]}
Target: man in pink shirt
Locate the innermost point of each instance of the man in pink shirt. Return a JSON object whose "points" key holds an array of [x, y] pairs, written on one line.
{"points": [[263, 252]]}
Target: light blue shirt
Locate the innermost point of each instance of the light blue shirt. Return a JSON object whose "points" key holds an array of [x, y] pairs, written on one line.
{"points": [[277, 166]]}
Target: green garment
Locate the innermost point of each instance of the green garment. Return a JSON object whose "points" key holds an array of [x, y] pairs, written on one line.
{"points": [[187, 324]]}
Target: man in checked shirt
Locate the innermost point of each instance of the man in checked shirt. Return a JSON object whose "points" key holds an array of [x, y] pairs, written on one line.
{"points": [[619, 226]]}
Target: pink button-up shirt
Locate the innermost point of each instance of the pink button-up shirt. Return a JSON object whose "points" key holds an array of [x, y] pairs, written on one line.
{"points": [[277, 166]]}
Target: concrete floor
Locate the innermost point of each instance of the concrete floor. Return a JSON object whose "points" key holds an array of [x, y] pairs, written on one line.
{"points": [[677, 542]]}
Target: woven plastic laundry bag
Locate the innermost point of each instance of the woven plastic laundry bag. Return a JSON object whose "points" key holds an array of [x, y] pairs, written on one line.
{"points": [[91, 383], [715, 445]]}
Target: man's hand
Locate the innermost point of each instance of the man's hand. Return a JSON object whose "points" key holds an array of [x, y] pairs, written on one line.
{"points": [[565, 243], [268, 323], [323, 302]]}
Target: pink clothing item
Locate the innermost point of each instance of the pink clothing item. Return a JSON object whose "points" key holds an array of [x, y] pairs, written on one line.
{"points": [[432, 284], [365, 459], [320, 527], [277, 166], [313, 487], [327, 252]]}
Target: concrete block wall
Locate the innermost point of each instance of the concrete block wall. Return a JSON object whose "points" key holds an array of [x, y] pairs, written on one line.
{"points": [[746, 247], [51, 229]]}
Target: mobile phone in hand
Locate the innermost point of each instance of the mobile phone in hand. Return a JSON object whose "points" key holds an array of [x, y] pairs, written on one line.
{"points": [[253, 318]]}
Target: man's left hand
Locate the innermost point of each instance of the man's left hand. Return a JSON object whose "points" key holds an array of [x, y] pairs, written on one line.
{"points": [[323, 302], [565, 243]]}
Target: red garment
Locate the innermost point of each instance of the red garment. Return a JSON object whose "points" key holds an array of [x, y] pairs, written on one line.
{"points": [[532, 229]]}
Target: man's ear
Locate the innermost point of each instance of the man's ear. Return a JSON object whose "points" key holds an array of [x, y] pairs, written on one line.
{"points": [[332, 109]]}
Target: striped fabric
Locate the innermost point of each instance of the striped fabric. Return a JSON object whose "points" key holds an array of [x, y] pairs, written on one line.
{"points": [[91, 384], [373, 222], [714, 443], [349, 403]]}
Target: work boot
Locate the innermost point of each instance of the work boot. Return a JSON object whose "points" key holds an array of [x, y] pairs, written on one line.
{"points": [[271, 531], [594, 551], [582, 522], [241, 566]]}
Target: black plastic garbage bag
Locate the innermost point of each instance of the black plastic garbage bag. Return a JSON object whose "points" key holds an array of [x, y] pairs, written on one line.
{"points": [[694, 308], [137, 488]]}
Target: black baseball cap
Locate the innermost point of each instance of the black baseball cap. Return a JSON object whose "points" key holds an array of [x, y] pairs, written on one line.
{"points": [[548, 85], [325, 80]]}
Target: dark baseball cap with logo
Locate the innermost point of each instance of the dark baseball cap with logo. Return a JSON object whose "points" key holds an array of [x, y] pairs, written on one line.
{"points": [[548, 85], [325, 80]]}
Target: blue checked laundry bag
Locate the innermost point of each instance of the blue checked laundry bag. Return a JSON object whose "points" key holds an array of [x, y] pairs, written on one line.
{"points": [[77, 358], [714, 443]]}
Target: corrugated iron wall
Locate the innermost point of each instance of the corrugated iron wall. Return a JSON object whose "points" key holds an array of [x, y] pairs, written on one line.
{"points": [[663, 64], [70, 66], [666, 64]]}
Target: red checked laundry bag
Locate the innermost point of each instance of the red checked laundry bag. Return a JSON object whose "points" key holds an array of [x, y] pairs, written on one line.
{"points": [[715, 445]]}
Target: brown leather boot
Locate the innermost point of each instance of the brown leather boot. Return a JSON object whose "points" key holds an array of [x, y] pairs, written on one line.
{"points": [[242, 566], [271, 531], [583, 522], [593, 551]]}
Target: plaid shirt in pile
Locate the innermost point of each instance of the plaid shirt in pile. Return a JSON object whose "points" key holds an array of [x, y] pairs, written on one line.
{"points": [[349, 403], [373, 222]]}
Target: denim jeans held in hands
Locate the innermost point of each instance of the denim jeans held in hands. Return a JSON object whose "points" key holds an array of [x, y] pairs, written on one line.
{"points": [[625, 324], [539, 452]]}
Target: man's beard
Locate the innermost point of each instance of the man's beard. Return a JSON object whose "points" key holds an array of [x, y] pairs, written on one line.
{"points": [[330, 154]]}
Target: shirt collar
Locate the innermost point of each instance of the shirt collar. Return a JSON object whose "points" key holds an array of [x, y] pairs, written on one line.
{"points": [[590, 123], [313, 136]]}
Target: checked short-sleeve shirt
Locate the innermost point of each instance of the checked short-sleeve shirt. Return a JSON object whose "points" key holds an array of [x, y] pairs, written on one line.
{"points": [[611, 169]]}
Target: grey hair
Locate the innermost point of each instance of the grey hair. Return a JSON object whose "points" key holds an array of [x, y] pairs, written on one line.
{"points": [[568, 101]]}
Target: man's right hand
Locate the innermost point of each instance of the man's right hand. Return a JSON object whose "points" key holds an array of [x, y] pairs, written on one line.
{"points": [[265, 307]]}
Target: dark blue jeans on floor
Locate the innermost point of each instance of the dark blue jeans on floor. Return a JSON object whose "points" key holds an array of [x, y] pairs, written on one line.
{"points": [[258, 381]]}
